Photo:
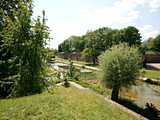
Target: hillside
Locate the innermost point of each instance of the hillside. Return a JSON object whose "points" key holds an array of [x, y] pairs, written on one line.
{"points": [[61, 104]]}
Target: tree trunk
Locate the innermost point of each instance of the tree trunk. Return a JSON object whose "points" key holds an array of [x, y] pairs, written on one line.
{"points": [[115, 93]]}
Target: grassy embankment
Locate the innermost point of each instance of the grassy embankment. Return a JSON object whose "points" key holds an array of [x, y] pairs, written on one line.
{"points": [[62, 104], [152, 74]]}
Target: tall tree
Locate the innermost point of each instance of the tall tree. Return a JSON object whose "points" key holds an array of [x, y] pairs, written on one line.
{"points": [[72, 44], [130, 35], [8, 60], [92, 44], [156, 44], [22, 44]]}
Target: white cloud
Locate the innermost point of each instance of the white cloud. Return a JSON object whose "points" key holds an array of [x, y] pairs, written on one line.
{"points": [[148, 31], [154, 5], [92, 18], [121, 13]]}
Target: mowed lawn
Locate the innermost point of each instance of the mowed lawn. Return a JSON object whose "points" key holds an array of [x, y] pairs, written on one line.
{"points": [[154, 74], [63, 104]]}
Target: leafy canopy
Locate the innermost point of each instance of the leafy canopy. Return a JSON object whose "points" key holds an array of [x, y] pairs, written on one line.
{"points": [[120, 65]]}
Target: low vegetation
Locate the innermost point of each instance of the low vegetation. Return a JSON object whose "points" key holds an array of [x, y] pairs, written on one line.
{"points": [[22, 49]]}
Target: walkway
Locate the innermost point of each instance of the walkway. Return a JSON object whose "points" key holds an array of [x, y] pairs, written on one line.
{"points": [[155, 66]]}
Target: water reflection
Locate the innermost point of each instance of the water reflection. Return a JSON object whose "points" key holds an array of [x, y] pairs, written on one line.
{"points": [[144, 94]]}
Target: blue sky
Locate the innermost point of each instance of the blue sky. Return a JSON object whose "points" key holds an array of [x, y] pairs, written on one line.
{"points": [[76, 17]]}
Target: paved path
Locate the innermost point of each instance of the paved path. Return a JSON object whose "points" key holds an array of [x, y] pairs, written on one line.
{"points": [[155, 66], [78, 65]]}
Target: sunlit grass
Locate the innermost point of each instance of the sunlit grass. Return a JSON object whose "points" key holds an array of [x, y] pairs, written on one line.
{"points": [[62, 104], [155, 74]]}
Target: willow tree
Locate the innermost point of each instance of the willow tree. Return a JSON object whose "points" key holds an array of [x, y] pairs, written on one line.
{"points": [[119, 68]]}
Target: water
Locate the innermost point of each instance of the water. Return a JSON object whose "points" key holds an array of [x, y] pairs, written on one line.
{"points": [[145, 94]]}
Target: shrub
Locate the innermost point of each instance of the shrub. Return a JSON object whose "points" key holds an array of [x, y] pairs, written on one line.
{"points": [[119, 67]]}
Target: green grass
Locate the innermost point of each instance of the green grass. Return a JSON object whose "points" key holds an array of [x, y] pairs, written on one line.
{"points": [[152, 74], [62, 104], [95, 87], [89, 75], [90, 80]]}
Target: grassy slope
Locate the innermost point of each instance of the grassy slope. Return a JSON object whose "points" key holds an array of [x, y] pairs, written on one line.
{"points": [[63, 104], [152, 74]]}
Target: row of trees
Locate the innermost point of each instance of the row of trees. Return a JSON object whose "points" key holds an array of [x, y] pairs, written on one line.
{"points": [[93, 43], [22, 49], [152, 44]]}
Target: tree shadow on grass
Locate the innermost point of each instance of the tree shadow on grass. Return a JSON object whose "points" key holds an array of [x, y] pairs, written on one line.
{"points": [[147, 112]]}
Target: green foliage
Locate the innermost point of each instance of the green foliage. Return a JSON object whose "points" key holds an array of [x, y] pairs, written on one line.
{"points": [[86, 53], [72, 72], [8, 60], [72, 44], [32, 59], [51, 53], [151, 74], [119, 67], [156, 44], [95, 87], [22, 44], [66, 82], [153, 44], [130, 35], [93, 43]]}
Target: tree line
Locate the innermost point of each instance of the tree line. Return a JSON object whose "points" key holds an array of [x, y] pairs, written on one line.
{"points": [[152, 44], [22, 48], [94, 43]]}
